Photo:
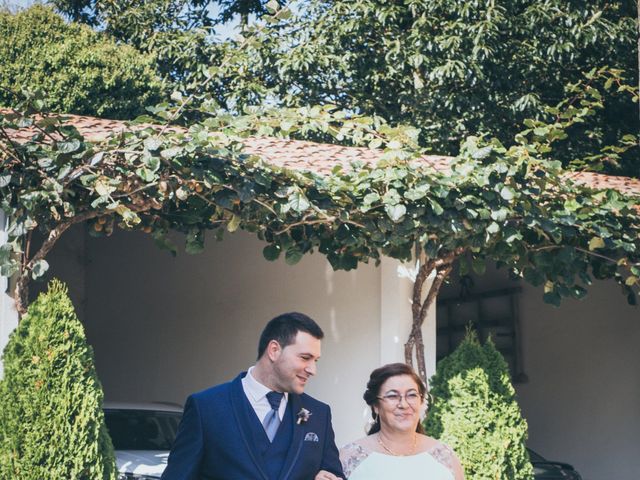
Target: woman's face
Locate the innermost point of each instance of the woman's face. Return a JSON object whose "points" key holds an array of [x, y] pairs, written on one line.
{"points": [[399, 404]]}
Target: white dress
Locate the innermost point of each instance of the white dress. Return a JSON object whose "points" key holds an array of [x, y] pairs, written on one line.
{"points": [[360, 464]]}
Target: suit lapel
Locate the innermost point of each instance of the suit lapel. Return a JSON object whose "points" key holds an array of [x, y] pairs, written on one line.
{"points": [[238, 400], [296, 441]]}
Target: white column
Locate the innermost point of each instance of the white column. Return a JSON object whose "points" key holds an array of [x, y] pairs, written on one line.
{"points": [[396, 292], [8, 313]]}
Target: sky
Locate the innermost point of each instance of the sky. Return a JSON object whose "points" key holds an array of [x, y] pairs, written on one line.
{"points": [[222, 33]]}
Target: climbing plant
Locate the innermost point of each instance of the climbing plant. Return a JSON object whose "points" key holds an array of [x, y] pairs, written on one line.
{"points": [[511, 203]]}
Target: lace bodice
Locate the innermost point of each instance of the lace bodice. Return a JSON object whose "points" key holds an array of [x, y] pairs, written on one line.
{"points": [[353, 454]]}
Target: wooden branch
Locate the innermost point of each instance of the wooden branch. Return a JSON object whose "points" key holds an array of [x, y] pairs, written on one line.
{"points": [[419, 308], [441, 275]]}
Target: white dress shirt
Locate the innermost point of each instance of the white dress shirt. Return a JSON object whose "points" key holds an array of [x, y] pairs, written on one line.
{"points": [[256, 393]]}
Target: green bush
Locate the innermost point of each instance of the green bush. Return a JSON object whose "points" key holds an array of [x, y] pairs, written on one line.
{"points": [[79, 70], [51, 420], [475, 412]]}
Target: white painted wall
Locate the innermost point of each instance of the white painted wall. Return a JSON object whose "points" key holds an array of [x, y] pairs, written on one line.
{"points": [[582, 400], [8, 313], [164, 327]]}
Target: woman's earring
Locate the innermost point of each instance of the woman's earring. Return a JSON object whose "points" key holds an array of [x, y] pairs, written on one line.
{"points": [[375, 416]]}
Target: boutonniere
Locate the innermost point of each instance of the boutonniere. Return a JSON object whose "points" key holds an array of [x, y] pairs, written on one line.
{"points": [[302, 416]]}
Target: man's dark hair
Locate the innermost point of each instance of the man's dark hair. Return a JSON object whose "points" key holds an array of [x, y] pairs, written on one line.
{"points": [[284, 328]]}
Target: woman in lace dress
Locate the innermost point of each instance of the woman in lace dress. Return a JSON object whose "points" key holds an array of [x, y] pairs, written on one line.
{"points": [[396, 446]]}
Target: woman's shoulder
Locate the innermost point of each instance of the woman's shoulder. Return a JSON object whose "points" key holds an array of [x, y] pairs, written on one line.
{"points": [[443, 453], [357, 447], [353, 454]]}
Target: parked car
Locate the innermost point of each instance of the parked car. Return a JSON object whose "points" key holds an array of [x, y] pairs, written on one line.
{"points": [[544, 469], [142, 435]]}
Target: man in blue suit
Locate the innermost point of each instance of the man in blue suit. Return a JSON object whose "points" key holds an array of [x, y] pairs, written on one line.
{"points": [[261, 425]]}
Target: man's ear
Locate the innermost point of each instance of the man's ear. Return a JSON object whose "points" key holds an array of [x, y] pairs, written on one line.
{"points": [[273, 350]]}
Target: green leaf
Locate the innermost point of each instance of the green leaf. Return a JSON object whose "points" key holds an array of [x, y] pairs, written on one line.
{"points": [[152, 143], [271, 252], [479, 265], [234, 223], [162, 241], [39, 268], [595, 243], [168, 153], [293, 255], [437, 208], [370, 198], [103, 187], [507, 193], [298, 202], [395, 212], [68, 146], [272, 6], [129, 217], [552, 298], [493, 228], [194, 241], [145, 174]]}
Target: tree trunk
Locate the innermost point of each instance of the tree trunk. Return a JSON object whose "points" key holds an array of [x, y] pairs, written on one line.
{"points": [[414, 347]]}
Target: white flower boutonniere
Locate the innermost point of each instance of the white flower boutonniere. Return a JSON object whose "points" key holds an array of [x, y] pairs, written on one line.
{"points": [[303, 416]]}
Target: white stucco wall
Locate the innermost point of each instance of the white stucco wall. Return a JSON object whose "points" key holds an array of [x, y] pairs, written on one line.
{"points": [[582, 400], [8, 313], [164, 327]]}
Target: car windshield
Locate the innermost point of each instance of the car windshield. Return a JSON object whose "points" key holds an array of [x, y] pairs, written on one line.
{"points": [[142, 429], [534, 457]]}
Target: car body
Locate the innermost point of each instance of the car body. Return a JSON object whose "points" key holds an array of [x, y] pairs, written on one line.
{"points": [[544, 469], [142, 435]]}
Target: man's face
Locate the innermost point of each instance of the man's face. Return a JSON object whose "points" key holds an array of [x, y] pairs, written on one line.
{"points": [[294, 364]]}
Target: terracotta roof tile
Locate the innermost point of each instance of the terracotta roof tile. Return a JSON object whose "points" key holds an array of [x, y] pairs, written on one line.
{"points": [[320, 157]]}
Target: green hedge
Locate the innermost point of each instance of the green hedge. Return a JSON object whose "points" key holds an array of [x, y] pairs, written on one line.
{"points": [[51, 419], [475, 412], [79, 70]]}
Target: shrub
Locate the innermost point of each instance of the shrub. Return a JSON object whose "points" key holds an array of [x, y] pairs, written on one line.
{"points": [[475, 412], [79, 70], [51, 420]]}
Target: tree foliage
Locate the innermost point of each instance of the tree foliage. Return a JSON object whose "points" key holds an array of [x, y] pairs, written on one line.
{"points": [[476, 413], [454, 67], [510, 204], [51, 420], [179, 35], [80, 70]]}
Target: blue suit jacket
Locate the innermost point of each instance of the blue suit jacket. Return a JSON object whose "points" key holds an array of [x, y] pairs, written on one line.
{"points": [[214, 440]]}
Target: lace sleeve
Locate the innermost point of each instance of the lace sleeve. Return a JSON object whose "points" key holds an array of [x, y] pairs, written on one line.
{"points": [[444, 454], [352, 455]]}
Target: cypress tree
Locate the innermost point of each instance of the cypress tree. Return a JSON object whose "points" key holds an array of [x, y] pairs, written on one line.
{"points": [[51, 419], [476, 413]]}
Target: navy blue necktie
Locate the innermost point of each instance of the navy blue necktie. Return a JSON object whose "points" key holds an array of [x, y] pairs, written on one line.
{"points": [[272, 420]]}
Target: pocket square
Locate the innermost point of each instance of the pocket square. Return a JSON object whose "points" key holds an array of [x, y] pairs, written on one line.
{"points": [[311, 437]]}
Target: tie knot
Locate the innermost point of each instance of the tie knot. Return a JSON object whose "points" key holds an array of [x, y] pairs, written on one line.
{"points": [[274, 399]]}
